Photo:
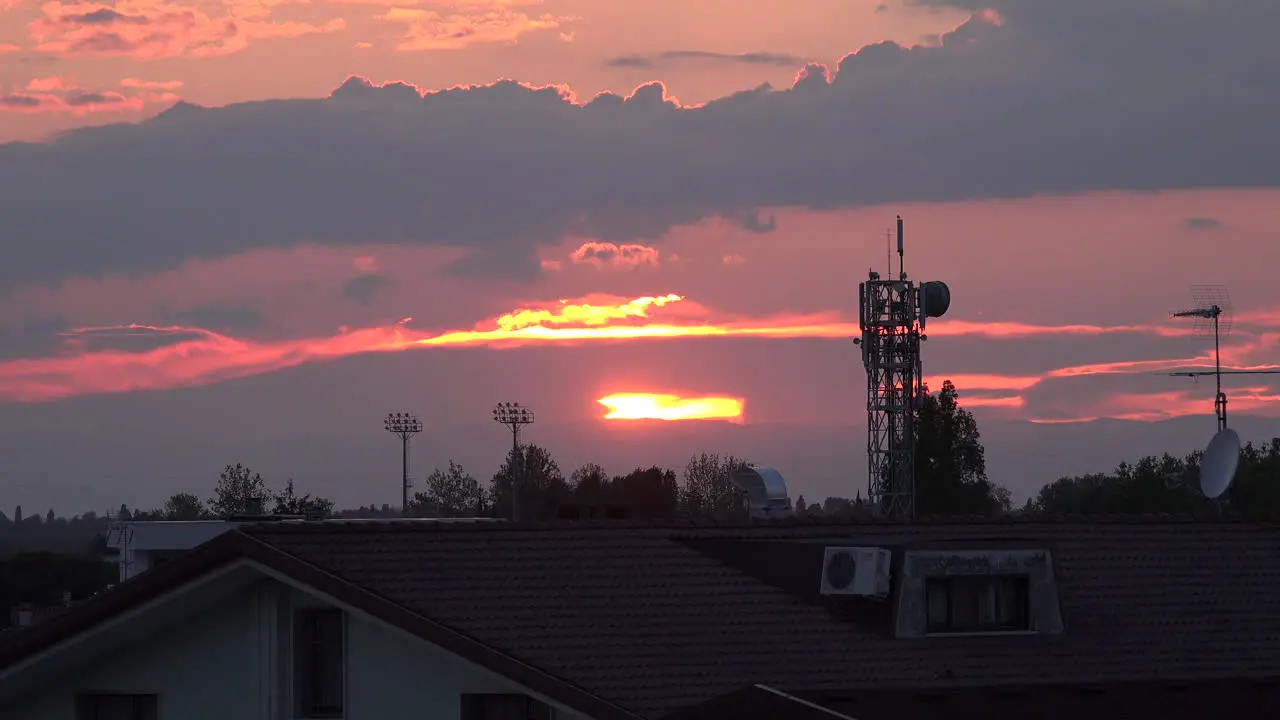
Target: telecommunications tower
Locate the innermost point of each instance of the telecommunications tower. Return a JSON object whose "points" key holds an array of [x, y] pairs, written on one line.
{"points": [[891, 315]]}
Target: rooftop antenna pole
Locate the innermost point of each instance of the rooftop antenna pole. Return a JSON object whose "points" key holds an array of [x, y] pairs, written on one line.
{"points": [[892, 315], [1213, 315], [515, 418], [406, 425]]}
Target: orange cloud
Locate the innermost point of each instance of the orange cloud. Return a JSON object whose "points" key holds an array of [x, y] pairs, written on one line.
{"points": [[472, 24], [650, 406], [7, 48], [151, 30], [196, 356], [626, 255]]}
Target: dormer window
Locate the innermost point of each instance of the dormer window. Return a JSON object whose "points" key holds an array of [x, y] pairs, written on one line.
{"points": [[978, 604]]}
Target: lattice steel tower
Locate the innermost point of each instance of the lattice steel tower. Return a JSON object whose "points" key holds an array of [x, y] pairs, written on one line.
{"points": [[892, 317]]}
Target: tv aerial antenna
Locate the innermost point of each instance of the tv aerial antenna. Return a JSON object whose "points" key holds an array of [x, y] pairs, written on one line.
{"points": [[1213, 314]]}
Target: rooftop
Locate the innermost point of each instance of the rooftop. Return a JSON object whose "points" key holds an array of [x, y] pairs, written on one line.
{"points": [[652, 617]]}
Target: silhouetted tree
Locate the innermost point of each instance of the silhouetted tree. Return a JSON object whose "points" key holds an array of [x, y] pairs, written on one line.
{"points": [[183, 506], [1165, 484], [544, 486], [651, 492], [240, 491], [590, 484], [951, 465], [123, 513], [708, 485], [287, 502], [450, 493]]}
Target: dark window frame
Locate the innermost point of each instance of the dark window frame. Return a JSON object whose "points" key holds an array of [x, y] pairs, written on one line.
{"points": [[146, 706], [319, 661], [965, 604], [486, 706]]}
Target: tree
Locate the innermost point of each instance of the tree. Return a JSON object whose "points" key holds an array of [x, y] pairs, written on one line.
{"points": [[800, 507], [708, 484], [183, 506], [1165, 484], [543, 484], [950, 462], [450, 493], [240, 491], [287, 502], [650, 493], [590, 484], [640, 493]]}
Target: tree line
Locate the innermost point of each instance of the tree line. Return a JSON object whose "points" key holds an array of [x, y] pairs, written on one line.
{"points": [[951, 479]]}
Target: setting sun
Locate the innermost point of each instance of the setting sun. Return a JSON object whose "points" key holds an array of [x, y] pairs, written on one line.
{"points": [[649, 406]]}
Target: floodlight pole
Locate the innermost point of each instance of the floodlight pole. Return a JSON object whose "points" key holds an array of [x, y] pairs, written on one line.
{"points": [[406, 425], [515, 417]]}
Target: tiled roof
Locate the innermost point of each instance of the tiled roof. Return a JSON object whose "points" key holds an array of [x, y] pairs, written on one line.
{"points": [[637, 616]]}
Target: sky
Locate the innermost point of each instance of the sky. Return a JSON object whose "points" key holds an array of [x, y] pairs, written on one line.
{"points": [[244, 231]]}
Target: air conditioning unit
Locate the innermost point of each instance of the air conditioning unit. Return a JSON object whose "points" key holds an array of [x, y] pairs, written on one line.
{"points": [[863, 571]]}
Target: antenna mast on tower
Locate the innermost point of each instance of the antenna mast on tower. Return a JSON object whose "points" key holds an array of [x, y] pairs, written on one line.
{"points": [[891, 315]]}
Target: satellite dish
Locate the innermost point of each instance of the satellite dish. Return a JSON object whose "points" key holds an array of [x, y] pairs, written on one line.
{"points": [[1218, 466]]}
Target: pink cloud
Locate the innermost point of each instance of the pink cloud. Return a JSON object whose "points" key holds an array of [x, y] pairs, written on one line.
{"points": [[605, 254], [471, 24], [63, 95], [149, 31], [150, 84]]}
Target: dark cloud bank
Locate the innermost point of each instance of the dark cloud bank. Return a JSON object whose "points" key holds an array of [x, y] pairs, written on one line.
{"points": [[1057, 97]]}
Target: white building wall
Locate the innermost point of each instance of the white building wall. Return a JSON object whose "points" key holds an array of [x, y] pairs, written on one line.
{"points": [[199, 669], [234, 664]]}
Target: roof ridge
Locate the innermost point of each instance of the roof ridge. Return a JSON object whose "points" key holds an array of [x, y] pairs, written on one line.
{"points": [[686, 522]]}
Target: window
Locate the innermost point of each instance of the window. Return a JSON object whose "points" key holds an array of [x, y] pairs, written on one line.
{"points": [[504, 707], [103, 706], [318, 663], [978, 603]]}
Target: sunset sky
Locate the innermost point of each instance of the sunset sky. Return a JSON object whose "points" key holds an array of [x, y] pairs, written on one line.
{"points": [[244, 231]]}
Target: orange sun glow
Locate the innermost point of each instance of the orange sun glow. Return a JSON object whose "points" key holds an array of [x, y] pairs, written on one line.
{"points": [[653, 406]]}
